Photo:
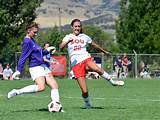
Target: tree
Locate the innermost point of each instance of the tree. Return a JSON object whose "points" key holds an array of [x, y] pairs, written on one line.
{"points": [[51, 35], [138, 27], [14, 16], [104, 39]]}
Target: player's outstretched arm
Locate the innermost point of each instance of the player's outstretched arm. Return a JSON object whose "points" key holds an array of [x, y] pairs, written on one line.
{"points": [[62, 44], [95, 45]]}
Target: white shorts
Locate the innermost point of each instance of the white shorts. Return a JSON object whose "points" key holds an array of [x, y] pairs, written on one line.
{"points": [[39, 71]]}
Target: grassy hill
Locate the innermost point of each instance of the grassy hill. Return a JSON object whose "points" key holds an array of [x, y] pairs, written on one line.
{"points": [[61, 12]]}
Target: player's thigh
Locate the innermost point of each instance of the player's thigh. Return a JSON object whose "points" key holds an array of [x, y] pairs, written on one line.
{"points": [[93, 66], [82, 84], [51, 82]]}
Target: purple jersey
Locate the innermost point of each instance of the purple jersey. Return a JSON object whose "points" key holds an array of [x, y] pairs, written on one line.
{"points": [[32, 51]]}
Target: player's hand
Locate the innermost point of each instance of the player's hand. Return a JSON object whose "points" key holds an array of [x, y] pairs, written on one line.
{"points": [[16, 74], [51, 48], [53, 51]]}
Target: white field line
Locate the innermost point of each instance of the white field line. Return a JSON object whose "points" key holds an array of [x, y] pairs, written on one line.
{"points": [[94, 98], [126, 99]]}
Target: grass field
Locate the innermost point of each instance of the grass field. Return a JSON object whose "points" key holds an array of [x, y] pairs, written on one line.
{"points": [[137, 100]]}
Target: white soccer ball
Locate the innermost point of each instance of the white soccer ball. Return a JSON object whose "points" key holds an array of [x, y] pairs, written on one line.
{"points": [[54, 107]]}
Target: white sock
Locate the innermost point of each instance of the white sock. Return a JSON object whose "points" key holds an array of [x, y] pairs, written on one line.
{"points": [[106, 76], [55, 95], [28, 89]]}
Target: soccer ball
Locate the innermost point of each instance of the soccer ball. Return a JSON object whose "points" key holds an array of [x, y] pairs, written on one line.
{"points": [[54, 107]]}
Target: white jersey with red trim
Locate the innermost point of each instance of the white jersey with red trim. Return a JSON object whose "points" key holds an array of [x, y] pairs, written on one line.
{"points": [[77, 47]]}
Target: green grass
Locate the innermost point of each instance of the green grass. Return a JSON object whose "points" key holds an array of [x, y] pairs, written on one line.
{"points": [[137, 100]]}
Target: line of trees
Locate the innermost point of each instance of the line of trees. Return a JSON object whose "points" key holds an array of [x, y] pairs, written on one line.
{"points": [[138, 26], [14, 16]]}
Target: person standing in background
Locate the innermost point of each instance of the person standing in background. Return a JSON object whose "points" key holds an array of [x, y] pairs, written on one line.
{"points": [[125, 64], [118, 66], [7, 73], [48, 58]]}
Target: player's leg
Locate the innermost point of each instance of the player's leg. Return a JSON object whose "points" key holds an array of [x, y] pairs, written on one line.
{"points": [[93, 66], [80, 74], [83, 85], [39, 86], [51, 82], [37, 74]]}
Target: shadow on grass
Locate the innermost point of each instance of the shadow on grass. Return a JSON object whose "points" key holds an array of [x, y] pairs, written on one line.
{"points": [[109, 107], [92, 108], [96, 108], [43, 109], [115, 107], [32, 110]]}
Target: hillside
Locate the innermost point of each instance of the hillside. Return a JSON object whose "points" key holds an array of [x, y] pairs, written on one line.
{"points": [[61, 12]]}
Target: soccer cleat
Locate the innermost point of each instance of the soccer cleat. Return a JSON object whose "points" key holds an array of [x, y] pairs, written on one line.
{"points": [[117, 82], [88, 105], [12, 93], [62, 110]]}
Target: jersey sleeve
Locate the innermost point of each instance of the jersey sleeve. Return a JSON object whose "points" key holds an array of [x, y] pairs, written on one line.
{"points": [[27, 48], [89, 40], [66, 39]]}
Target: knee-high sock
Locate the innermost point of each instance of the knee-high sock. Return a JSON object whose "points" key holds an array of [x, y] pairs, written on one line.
{"points": [[55, 95], [106, 76], [28, 89]]}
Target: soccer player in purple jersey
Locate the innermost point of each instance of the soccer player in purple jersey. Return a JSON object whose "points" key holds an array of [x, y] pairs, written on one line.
{"points": [[32, 51]]}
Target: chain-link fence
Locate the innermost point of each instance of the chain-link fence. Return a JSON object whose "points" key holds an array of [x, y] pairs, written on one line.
{"points": [[139, 65]]}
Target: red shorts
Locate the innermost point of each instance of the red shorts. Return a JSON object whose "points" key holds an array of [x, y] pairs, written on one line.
{"points": [[79, 70]]}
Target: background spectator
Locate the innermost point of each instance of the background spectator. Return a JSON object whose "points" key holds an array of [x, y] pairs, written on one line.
{"points": [[7, 73], [125, 64], [118, 66], [145, 72]]}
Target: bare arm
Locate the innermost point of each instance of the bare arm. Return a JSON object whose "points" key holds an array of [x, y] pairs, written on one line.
{"points": [[95, 45], [46, 60], [63, 44]]}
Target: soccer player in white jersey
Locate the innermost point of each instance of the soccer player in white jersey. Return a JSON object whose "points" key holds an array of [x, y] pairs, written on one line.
{"points": [[81, 60]]}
